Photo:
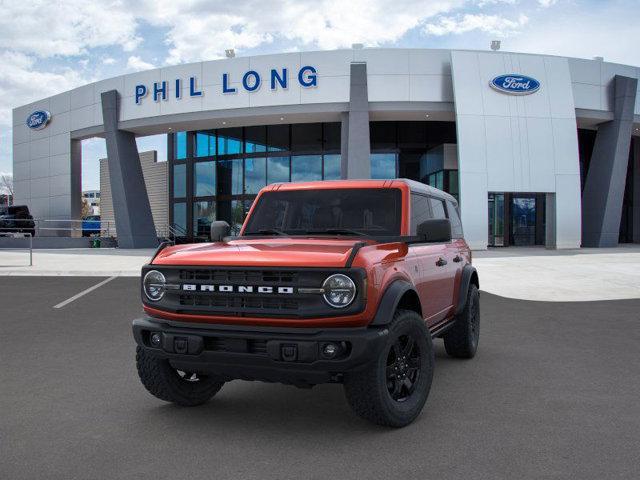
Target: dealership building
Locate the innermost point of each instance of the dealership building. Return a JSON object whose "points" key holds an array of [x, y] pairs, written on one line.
{"points": [[539, 150]]}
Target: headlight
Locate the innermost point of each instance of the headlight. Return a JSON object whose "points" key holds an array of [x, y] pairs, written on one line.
{"points": [[339, 290], [153, 285]]}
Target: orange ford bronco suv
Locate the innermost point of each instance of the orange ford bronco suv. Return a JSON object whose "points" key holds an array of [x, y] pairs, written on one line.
{"points": [[328, 282]]}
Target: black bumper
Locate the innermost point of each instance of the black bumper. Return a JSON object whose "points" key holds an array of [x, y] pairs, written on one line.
{"points": [[287, 355]]}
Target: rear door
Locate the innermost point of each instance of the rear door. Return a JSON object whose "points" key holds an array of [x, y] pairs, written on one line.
{"points": [[448, 261], [431, 280]]}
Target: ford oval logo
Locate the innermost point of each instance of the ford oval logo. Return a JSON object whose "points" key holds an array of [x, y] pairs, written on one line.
{"points": [[515, 84], [38, 119]]}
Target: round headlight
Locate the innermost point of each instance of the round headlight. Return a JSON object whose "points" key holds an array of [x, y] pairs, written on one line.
{"points": [[339, 290], [153, 285]]}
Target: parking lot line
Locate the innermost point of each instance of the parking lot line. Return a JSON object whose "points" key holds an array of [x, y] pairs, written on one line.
{"points": [[83, 293]]}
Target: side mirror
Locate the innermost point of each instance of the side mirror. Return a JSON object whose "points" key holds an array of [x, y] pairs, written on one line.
{"points": [[219, 230], [435, 230]]}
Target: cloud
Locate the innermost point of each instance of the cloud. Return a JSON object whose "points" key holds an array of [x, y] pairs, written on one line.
{"points": [[135, 63], [547, 3], [491, 24], [214, 26], [66, 28], [108, 61]]}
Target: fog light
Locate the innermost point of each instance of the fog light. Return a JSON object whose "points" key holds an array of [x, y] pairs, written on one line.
{"points": [[156, 340], [330, 350]]}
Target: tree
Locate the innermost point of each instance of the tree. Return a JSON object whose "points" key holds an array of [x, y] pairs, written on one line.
{"points": [[6, 184], [86, 208]]}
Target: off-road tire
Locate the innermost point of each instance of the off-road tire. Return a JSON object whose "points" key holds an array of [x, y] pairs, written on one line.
{"points": [[461, 341], [368, 390], [164, 382]]}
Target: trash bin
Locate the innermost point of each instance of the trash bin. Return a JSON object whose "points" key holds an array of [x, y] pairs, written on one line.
{"points": [[95, 243]]}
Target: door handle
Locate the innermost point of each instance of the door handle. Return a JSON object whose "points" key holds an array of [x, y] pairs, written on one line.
{"points": [[441, 262], [457, 258]]}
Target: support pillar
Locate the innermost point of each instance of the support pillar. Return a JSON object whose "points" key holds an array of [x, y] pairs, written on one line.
{"points": [[636, 190], [604, 187], [356, 149], [131, 208]]}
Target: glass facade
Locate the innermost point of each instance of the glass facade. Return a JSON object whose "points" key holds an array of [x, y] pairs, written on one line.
{"points": [[216, 174]]}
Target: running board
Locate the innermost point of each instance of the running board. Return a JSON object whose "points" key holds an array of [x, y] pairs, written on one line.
{"points": [[442, 328]]}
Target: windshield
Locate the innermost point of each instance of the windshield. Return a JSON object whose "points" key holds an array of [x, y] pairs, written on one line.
{"points": [[355, 211]]}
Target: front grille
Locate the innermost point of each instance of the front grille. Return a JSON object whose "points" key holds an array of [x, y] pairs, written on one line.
{"points": [[237, 302], [263, 277], [236, 345]]}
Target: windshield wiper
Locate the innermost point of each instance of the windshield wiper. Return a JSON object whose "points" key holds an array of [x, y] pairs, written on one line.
{"points": [[338, 231], [267, 231]]}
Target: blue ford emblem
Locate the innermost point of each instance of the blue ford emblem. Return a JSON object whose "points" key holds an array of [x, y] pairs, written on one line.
{"points": [[38, 119], [515, 84]]}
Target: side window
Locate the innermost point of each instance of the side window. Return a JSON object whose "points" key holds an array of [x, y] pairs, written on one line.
{"points": [[454, 217], [420, 211], [437, 206]]}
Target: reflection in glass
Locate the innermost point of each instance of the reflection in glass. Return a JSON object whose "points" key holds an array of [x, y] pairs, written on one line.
{"points": [[230, 177], [203, 214], [180, 146], [233, 212], [205, 144], [278, 137], [204, 179], [306, 136], [383, 165], [255, 174], [332, 167], [255, 139], [180, 180], [277, 170], [180, 217], [229, 141], [306, 168]]}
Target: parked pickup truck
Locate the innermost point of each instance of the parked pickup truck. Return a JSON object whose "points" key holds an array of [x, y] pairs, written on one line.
{"points": [[328, 282]]}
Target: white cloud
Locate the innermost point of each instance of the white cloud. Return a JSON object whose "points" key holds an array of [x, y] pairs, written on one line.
{"points": [[108, 61], [547, 3], [136, 63], [491, 24], [71, 27], [326, 24]]}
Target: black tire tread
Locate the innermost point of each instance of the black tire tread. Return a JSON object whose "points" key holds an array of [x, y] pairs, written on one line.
{"points": [[155, 374]]}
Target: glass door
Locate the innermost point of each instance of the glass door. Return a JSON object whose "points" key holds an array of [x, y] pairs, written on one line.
{"points": [[523, 220], [496, 220]]}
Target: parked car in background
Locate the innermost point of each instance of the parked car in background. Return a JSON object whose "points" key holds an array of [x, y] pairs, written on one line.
{"points": [[17, 219], [91, 225]]}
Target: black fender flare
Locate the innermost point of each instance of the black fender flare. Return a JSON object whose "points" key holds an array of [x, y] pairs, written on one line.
{"points": [[390, 300], [468, 272]]}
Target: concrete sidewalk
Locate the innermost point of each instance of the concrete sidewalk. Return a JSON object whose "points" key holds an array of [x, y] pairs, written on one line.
{"points": [[522, 273]]}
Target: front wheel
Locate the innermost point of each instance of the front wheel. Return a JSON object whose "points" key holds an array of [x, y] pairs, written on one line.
{"points": [[187, 389], [393, 389]]}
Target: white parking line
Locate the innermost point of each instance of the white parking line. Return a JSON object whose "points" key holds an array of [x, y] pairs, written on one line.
{"points": [[84, 292]]}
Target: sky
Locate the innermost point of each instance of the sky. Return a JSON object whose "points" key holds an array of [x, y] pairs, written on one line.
{"points": [[48, 47]]}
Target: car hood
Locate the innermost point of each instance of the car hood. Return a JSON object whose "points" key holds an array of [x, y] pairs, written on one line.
{"points": [[264, 252]]}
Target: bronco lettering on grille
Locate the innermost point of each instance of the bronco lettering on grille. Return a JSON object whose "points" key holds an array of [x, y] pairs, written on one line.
{"points": [[191, 287]]}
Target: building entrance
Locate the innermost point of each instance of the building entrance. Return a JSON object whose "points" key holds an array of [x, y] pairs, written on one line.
{"points": [[516, 219]]}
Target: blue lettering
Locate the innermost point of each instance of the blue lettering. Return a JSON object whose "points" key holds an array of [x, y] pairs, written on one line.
{"points": [[311, 79], [157, 90], [192, 88], [178, 91], [141, 92], [256, 81], [275, 77], [225, 84]]}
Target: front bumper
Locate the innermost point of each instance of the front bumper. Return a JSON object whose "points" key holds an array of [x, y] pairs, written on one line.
{"points": [[286, 355]]}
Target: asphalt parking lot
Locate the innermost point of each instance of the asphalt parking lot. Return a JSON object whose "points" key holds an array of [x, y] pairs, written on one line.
{"points": [[553, 393]]}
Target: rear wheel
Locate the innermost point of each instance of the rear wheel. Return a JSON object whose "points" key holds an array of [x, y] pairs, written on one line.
{"points": [[461, 341], [393, 389], [166, 383]]}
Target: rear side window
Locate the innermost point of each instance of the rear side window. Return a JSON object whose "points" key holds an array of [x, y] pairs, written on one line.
{"points": [[454, 218], [420, 211], [437, 207]]}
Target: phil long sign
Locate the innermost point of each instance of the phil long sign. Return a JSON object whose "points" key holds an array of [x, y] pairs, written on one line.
{"points": [[250, 81], [515, 84]]}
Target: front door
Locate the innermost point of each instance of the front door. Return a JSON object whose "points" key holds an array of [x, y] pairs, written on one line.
{"points": [[523, 220]]}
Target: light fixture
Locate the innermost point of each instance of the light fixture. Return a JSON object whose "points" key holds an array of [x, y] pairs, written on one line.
{"points": [[427, 115], [153, 285], [495, 45], [281, 118], [339, 290], [224, 123], [230, 53]]}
